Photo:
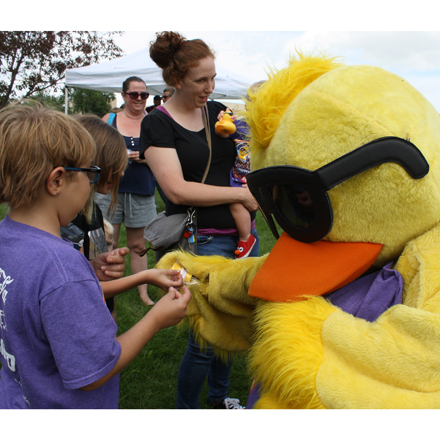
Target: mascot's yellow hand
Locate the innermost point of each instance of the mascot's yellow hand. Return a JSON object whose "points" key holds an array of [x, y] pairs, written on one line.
{"points": [[215, 274], [220, 311]]}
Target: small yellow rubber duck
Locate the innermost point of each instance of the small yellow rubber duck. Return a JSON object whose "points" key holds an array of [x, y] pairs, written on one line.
{"points": [[225, 125]]}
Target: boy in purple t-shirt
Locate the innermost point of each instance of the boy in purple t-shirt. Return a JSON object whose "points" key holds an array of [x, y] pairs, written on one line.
{"points": [[58, 344]]}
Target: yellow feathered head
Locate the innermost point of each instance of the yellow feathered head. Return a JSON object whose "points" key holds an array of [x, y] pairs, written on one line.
{"points": [[316, 110]]}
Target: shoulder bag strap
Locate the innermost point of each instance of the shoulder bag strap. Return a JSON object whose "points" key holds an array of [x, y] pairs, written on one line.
{"points": [[208, 138], [192, 218]]}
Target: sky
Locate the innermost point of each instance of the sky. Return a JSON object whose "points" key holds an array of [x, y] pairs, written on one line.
{"points": [[413, 55], [250, 37]]}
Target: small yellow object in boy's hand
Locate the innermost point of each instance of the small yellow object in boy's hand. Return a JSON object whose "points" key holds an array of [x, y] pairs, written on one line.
{"points": [[187, 277]]}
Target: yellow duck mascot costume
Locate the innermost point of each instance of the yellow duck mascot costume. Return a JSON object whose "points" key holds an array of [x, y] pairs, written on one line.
{"points": [[344, 312]]}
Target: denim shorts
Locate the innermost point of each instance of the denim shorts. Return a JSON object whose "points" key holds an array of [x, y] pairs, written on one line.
{"points": [[134, 210]]}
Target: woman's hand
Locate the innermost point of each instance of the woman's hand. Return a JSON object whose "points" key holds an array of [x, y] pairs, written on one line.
{"points": [[134, 156], [110, 265], [249, 201]]}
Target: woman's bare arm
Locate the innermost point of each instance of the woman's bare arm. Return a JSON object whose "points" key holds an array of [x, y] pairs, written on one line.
{"points": [[165, 165]]}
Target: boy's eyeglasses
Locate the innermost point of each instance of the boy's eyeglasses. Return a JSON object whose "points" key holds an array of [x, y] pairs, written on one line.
{"points": [[135, 95], [297, 198], [92, 172]]}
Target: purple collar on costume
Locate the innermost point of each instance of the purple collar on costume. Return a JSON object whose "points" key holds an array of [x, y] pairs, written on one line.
{"points": [[369, 296]]}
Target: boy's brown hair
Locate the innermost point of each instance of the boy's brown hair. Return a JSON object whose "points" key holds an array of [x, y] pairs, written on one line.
{"points": [[33, 141], [111, 156]]}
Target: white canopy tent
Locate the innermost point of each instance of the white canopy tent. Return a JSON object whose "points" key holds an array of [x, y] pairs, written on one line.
{"points": [[109, 76]]}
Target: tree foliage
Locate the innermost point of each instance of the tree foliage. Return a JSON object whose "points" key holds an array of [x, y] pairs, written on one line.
{"points": [[55, 102], [32, 62], [91, 101]]}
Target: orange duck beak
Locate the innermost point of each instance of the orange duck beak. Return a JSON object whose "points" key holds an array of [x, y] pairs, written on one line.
{"points": [[294, 270]]}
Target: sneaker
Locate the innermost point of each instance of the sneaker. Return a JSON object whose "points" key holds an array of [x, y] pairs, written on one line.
{"points": [[244, 248], [228, 403]]}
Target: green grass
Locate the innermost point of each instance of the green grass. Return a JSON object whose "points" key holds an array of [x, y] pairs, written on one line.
{"points": [[149, 382]]}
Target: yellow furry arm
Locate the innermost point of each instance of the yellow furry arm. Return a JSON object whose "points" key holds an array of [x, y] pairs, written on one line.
{"points": [[310, 354], [288, 351], [419, 265], [390, 363], [220, 311]]}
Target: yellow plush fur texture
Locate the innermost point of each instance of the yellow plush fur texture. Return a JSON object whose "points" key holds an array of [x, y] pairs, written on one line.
{"points": [[338, 112], [288, 351], [220, 311], [390, 363], [269, 102], [419, 266]]}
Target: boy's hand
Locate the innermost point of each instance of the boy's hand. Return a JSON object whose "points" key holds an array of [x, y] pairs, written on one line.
{"points": [[171, 308], [164, 278], [110, 265]]}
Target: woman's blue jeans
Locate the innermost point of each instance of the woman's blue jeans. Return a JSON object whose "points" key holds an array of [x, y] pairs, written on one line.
{"points": [[197, 364]]}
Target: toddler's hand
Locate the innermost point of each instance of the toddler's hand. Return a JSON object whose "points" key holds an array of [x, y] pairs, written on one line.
{"points": [[222, 112]]}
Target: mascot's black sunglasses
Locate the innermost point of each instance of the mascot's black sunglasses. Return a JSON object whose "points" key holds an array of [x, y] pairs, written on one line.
{"points": [[298, 198]]}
